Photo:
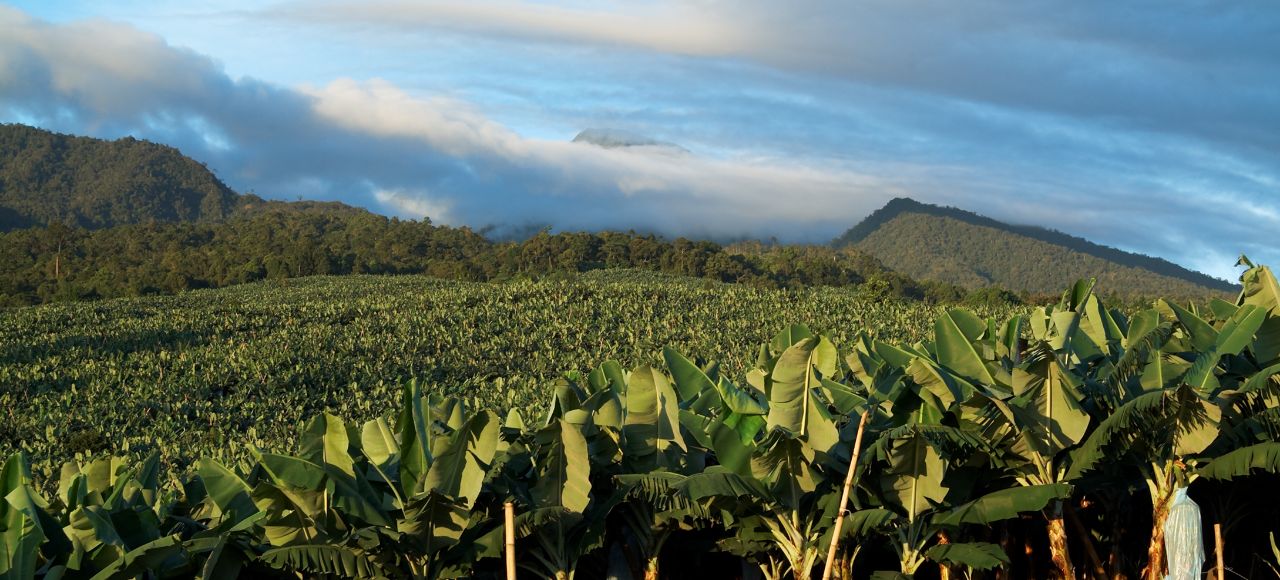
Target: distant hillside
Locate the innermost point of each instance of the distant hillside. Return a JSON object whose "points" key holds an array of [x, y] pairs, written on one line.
{"points": [[93, 183], [88, 218], [930, 242]]}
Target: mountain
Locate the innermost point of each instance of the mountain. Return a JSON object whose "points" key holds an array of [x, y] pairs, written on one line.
{"points": [[88, 218], [93, 183], [947, 244]]}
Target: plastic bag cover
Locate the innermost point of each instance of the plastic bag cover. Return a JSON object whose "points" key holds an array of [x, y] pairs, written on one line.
{"points": [[1183, 538]]}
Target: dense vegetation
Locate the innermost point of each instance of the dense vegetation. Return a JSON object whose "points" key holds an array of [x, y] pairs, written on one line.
{"points": [[203, 369], [929, 242], [58, 263], [91, 183], [1049, 440]]}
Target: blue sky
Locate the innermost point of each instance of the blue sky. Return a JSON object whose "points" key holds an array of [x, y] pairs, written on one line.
{"points": [[1150, 126]]}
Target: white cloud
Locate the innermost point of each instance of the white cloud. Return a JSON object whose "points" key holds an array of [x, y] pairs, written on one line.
{"points": [[374, 144], [379, 108], [414, 204], [806, 118], [105, 67], [673, 192], [687, 28], [1203, 70]]}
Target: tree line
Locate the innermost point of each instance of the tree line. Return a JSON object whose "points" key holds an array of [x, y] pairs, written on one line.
{"points": [[60, 262]]}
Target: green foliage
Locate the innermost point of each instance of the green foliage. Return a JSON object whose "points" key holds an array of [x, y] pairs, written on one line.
{"points": [[290, 240], [928, 242], [209, 373], [979, 556], [975, 425], [78, 181]]}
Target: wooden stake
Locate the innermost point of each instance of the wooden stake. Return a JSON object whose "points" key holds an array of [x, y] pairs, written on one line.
{"points": [[1217, 547], [509, 517], [844, 497]]}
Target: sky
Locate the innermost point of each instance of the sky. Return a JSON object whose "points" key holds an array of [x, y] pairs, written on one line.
{"points": [[1149, 126]]}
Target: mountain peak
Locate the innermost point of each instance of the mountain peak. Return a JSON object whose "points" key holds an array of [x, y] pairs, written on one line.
{"points": [[948, 244], [871, 223], [94, 183]]}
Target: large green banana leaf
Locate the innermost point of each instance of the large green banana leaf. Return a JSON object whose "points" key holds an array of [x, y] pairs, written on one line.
{"points": [[976, 555], [1049, 409], [1003, 504], [460, 468], [227, 491], [324, 441], [954, 335], [415, 437], [690, 380], [320, 560], [914, 480], [564, 477], [652, 420], [1242, 462]]}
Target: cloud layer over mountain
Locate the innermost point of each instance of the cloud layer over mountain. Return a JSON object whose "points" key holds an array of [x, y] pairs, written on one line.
{"points": [[1152, 127]]}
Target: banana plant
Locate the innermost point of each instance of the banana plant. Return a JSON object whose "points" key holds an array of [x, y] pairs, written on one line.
{"points": [[562, 521], [649, 513], [1175, 397], [774, 494], [31, 541], [110, 519], [801, 446], [1255, 402], [1260, 289], [1046, 413], [366, 502], [652, 513], [549, 473], [927, 476], [947, 398], [780, 539]]}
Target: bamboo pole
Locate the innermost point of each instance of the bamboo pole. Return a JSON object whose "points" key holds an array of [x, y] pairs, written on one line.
{"points": [[509, 522], [1217, 547], [844, 497]]}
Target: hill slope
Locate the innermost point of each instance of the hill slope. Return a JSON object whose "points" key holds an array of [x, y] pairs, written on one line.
{"points": [[955, 246], [93, 183]]}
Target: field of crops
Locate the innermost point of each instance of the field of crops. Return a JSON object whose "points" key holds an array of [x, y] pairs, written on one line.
{"points": [[883, 441], [208, 372]]}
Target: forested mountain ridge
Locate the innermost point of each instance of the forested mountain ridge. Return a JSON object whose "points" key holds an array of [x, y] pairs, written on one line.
{"points": [[92, 183], [946, 244], [87, 218], [58, 263]]}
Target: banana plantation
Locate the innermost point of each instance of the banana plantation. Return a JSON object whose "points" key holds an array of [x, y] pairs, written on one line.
{"points": [[209, 372], [1051, 444]]}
